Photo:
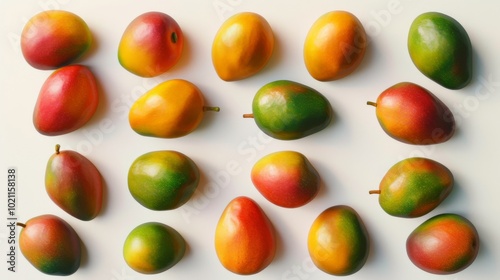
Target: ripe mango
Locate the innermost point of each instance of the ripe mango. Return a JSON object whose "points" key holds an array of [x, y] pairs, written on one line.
{"points": [[338, 241], [171, 109], [74, 184], [413, 187], [67, 100], [441, 49], [288, 110], [152, 247], [245, 241], [163, 180], [411, 114], [51, 245], [54, 38], [151, 44], [242, 46], [334, 46], [444, 244], [286, 178]]}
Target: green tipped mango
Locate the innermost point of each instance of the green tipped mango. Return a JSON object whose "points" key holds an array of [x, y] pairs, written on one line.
{"points": [[444, 244], [413, 187], [441, 49], [289, 110], [338, 241]]}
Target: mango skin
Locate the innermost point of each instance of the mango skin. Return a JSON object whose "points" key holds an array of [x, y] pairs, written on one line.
{"points": [[54, 38], [441, 49], [414, 186], [338, 241], [334, 46], [152, 247], [286, 178], [151, 44], [411, 114], [444, 244], [74, 184], [163, 180], [288, 110], [51, 245], [245, 241], [67, 101], [171, 109], [242, 46]]}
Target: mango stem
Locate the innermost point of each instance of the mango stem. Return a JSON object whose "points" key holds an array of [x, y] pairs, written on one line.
{"points": [[57, 148], [21, 224], [374, 192], [213, 109], [248, 116], [371, 103]]}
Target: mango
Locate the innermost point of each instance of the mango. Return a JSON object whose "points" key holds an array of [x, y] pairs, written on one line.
{"points": [[172, 109], [444, 244], [152, 247], [51, 245], [151, 44], [413, 187], [334, 46], [67, 101], [74, 184], [245, 241], [286, 178], [242, 46], [338, 241], [441, 49], [55, 38], [163, 180], [288, 110], [411, 114]]}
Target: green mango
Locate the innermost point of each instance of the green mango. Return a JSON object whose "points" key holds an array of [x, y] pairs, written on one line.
{"points": [[441, 49], [413, 187], [152, 247], [163, 180], [289, 110]]}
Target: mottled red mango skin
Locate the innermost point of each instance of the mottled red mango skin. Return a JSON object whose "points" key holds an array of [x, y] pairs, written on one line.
{"points": [[444, 244], [74, 184], [54, 38], [50, 245], [151, 44], [411, 114], [286, 178], [67, 100], [245, 241]]}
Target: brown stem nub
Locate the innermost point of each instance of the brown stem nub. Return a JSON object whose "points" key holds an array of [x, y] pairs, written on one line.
{"points": [[57, 148], [371, 103], [374, 192], [214, 109], [21, 224], [248, 116]]}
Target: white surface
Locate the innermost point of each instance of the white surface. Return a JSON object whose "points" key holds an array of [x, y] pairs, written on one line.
{"points": [[351, 155]]}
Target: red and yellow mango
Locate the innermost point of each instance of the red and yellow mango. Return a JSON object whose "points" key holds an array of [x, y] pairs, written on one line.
{"points": [[151, 44], [67, 100], [286, 178], [245, 241], [54, 38], [444, 244]]}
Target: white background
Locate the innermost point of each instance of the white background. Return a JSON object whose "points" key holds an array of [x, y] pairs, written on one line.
{"points": [[351, 155]]}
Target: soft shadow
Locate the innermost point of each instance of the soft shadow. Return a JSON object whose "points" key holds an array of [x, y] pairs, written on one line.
{"points": [[84, 260]]}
